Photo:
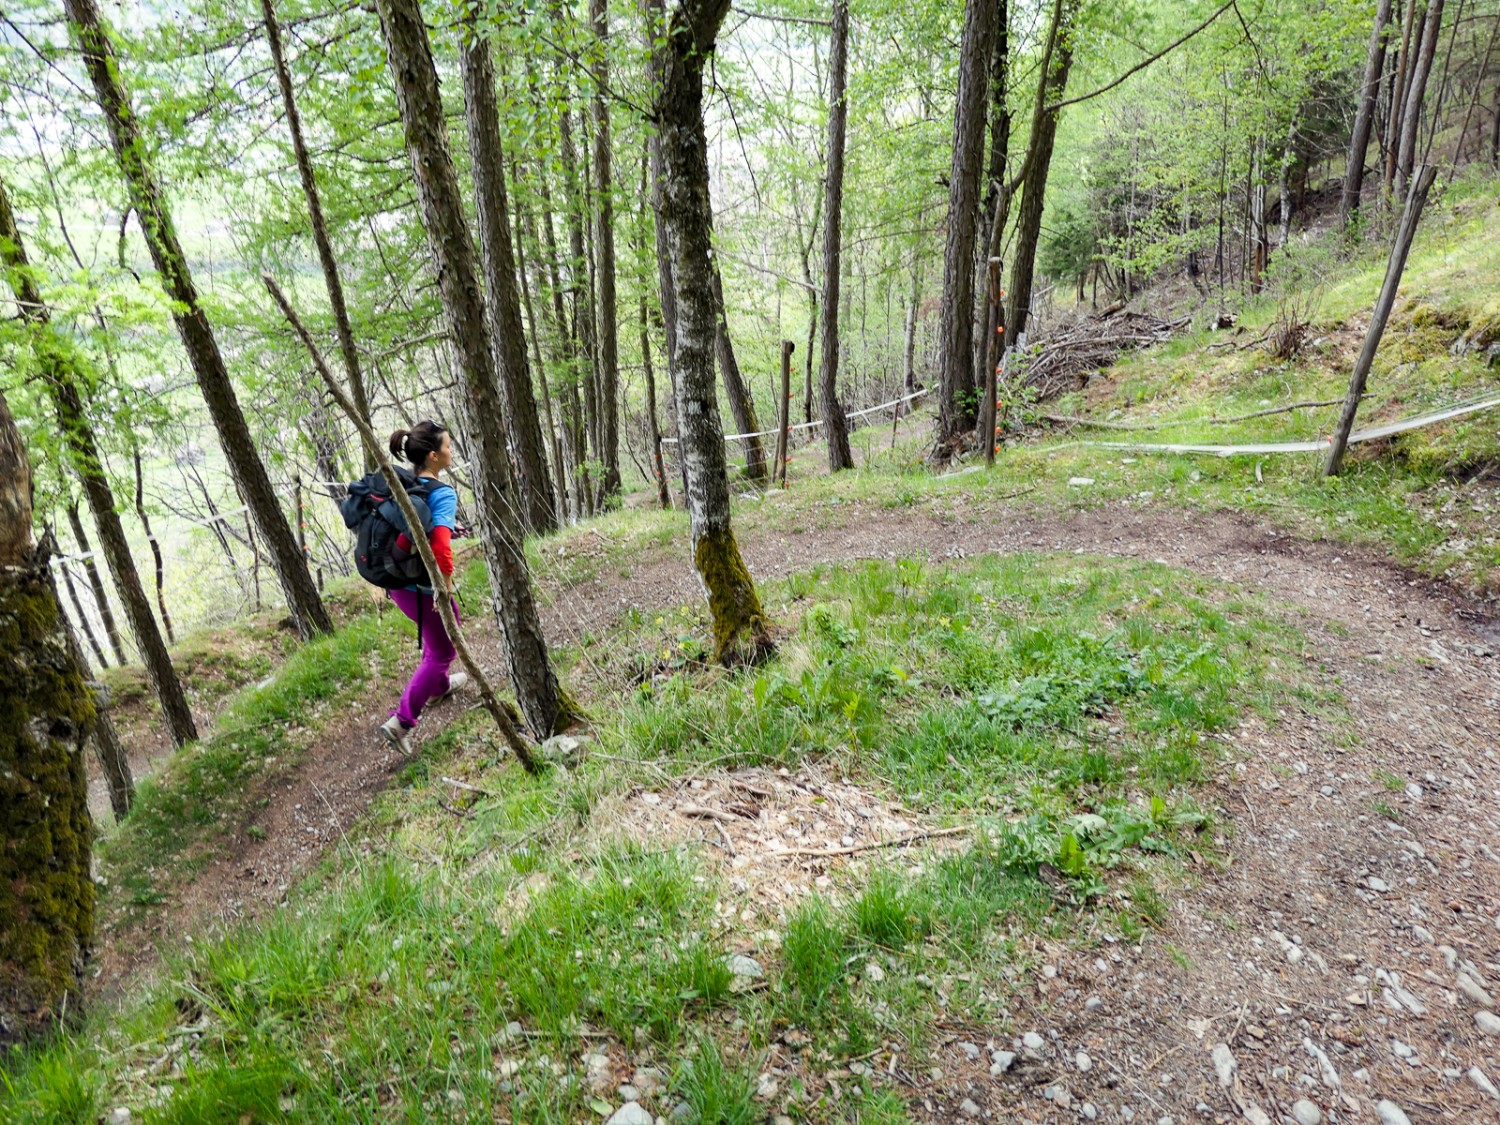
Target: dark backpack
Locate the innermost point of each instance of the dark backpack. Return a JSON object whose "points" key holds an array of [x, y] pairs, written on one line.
{"points": [[376, 520]]}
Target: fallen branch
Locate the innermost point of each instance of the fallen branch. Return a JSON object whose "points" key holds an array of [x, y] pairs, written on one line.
{"points": [[442, 596], [467, 788], [705, 813], [899, 841]]}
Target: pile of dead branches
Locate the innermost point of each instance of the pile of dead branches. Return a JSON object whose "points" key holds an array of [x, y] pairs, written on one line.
{"points": [[1064, 358]]}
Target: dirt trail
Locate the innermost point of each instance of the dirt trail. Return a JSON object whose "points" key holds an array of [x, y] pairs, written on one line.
{"points": [[1335, 929]]}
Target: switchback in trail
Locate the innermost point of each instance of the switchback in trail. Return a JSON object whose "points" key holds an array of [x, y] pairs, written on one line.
{"points": [[1325, 958]]}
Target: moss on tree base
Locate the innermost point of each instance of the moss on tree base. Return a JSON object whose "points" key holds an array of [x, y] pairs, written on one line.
{"points": [[46, 892], [740, 626]]}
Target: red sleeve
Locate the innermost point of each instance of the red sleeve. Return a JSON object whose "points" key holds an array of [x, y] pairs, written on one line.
{"points": [[442, 547]]}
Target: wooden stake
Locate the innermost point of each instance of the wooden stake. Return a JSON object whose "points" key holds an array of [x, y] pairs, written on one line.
{"points": [[991, 364], [1416, 197], [784, 418], [442, 593]]}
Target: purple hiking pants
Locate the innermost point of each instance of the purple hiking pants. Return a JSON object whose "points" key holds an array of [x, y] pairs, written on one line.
{"points": [[430, 680]]}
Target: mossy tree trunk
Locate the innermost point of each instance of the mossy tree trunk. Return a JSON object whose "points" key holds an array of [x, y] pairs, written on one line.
{"points": [[46, 713], [542, 699], [684, 219], [63, 380], [491, 208], [250, 477]]}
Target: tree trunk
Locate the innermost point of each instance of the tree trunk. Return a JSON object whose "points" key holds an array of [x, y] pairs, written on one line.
{"points": [[957, 400], [197, 334], [507, 333], [542, 701], [909, 351], [998, 193], [1284, 183], [331, 280], [1257, 201], [579, 288], [1359, 139], [834, 423], [741, 403], [559, 477], [1411, 114], [114, 762], [604, 245], [62, 381], [1495, 131], [96, 586], [1038, 164], [46, 892], [82, 615], [663, 493], [1398, 95], [567, 345], [140, 511], [685, 222]]}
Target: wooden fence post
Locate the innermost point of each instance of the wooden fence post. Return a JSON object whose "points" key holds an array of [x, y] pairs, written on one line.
{"points": [[784, 419], [1416, 197], [991, 362]]}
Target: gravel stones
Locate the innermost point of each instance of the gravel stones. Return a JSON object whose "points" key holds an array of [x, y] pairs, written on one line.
{"points": [[1390, 1113], [1082, 1061], [968, 1108], [1305, 1112], [1224, 1065], [1488, 1022], [1000, 1062], [1480, 1079]]}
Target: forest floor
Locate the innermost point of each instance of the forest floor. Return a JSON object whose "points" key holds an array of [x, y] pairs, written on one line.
{"points": [[1358, 871]]}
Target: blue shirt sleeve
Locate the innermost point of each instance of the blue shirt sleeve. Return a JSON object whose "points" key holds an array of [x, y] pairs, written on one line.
{"points": [[442, 502]]}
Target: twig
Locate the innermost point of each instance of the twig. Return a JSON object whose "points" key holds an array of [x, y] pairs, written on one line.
{"points": [[462, 814], [728, 843], [915, 837], [467, 788], [705, 813]]}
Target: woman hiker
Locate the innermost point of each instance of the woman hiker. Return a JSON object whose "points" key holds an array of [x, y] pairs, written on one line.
{"points": [[430, 450]]}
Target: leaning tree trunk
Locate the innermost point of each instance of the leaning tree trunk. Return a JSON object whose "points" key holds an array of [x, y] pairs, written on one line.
{"points": [[46, 713], [608, 387], [542, 700], [1038, 164], [326, 260], [663, 493], [956, 397], [834, 423], [741, 403], [685, 218], [559, 475], [1416, 90], [114, 762], [96, 586], [60, 375], [1359, 139], [498, 256], [140, 512], [198, 339]]}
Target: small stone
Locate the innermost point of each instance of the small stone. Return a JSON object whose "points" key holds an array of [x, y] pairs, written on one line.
{"points": [[748, 967], [631, 1113], [1422, 934], [1033, 1042], [971, 1051], [648, 1080], [1082, 1061], [968, 1108], [873, 972], [1474, 991], [120, 1115], [1413, 790], [766, 1087], [1377, 884], [1306, 1113], [1256, 1116], [1088, 1110], [682, 1112], [1000, 1062], [1224, 1064], [1093, 1004], [1402, 1050], [629, 1093], [1293, 954], [1480, 1079], [1390, 1113], [1167, 1120], [1080, 482], [1488, 1022]]}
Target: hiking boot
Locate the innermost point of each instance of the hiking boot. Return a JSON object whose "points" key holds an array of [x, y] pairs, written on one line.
{"points": [[457, 681], [395, 732]]}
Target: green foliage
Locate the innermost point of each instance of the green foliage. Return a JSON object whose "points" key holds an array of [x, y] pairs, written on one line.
{"points": [[718, 1092], [888, 913], [812, 953]]}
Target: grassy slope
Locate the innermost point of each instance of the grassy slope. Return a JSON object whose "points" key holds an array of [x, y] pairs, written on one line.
{"points": [[1031, 695]]}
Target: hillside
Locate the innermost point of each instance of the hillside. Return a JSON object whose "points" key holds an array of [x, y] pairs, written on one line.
{"points": [[1108, 785]]}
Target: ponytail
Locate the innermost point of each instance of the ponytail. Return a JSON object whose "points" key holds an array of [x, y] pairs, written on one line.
{"points": [[418, 443]]}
